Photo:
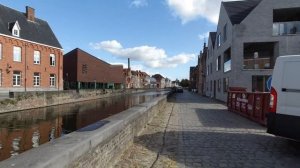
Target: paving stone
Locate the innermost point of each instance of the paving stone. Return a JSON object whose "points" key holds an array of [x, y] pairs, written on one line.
{"points": [[202, 133]]}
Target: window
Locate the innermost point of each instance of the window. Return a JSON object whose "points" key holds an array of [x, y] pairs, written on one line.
{"points": [[227, 60], [36, 79], [286, 21], [211, 68], [210, 85], [17, 78], [0, 77], [259, 83], [225, 33], [84, 68], [52, 80], [36, 57], [0, 51], [52, 59], [219, 85], [17, 54], [207, 70], [219, 40], [225, 84], [218, 67]]}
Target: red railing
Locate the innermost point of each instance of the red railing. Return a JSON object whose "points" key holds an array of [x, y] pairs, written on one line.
{"points": [[252, 105]]}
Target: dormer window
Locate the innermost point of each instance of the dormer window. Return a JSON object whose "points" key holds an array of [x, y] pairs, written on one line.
{"points": [[15, 29]]}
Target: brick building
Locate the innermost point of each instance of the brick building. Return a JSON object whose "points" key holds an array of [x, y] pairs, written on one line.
{"points": [[30, 54], [84, 71]]}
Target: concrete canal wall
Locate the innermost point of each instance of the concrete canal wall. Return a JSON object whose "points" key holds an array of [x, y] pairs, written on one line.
{"points": [[29, 100], [97, 145]]}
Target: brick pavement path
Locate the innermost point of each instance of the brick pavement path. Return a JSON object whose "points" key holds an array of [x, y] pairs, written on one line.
{"points": [[193, 131]]}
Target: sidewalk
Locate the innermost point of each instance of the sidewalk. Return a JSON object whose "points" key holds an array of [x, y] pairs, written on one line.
{"points": [[194, 131]]}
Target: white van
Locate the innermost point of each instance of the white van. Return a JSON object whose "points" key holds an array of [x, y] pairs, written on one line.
{"points": [[283, 118]]}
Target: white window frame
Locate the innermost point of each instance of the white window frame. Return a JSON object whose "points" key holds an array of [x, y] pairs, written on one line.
{"points": [[36, 57], [0, 77], [52, 60], [36, 79], [16, 29], [52, 80], [17, 54], [0, 51], [17, 78]]}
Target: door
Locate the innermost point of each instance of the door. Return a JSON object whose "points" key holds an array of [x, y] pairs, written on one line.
{"points": [[215, 87]]}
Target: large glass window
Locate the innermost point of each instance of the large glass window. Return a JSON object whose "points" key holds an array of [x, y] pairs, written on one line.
{"points": [[17, 54], [36, 57], [36, 79], [52, 80], [286, 21], [16, 78], [227, 60], [52, 59]]}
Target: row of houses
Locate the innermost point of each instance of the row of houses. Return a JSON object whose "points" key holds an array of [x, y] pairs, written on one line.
{"points": [[242, 52], [32, 59]]}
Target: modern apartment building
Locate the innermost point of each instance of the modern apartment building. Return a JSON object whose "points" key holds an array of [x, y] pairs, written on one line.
{"points": [[250, 35], [30, 54]]}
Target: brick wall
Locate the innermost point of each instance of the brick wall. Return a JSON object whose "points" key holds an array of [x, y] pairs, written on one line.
{"points": [[27, 66]]}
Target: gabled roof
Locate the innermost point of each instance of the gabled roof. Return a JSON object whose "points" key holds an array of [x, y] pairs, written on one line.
{"points": [[238, 10], [212, 36], [38, 31]]}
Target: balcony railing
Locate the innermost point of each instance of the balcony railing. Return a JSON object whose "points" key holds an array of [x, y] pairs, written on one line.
{"points": [[286, 28], [257, 63]]}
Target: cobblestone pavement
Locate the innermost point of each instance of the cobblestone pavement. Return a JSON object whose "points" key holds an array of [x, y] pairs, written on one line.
{"points": [[193, 131]]}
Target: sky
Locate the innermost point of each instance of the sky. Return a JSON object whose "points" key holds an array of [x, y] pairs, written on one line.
{"points": [[159, 36]]}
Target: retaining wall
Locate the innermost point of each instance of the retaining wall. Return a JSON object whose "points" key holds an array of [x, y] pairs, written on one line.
{"points": [[97, 145], [29, 100]]}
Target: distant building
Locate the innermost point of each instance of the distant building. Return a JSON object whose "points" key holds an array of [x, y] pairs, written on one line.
{"points": [[31, 57], [84, 71], [250, 35], [193, 77], [202, 71], [160, 81]]}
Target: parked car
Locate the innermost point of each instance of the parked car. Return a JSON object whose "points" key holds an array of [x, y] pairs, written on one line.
{"points": [[179, 89], [283, 118]]}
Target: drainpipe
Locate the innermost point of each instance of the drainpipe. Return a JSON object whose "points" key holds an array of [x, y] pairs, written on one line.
{"points": [[25, 73]]}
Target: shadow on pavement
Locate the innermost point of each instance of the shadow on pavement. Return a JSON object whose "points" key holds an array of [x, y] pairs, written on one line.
{"points": [[223, 149]]}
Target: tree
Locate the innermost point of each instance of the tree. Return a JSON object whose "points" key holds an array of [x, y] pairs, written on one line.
{"points": [[184, 83]]}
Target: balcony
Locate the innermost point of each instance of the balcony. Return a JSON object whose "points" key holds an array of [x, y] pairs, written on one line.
{"points": [[286, 28], [257, 63]]}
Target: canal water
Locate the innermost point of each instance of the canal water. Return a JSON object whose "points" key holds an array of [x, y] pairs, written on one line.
{"points": [[23, 130]]}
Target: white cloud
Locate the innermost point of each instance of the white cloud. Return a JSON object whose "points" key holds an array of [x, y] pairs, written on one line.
{"points": [[151, 56], [188, 10], [203, 36], [139, 3]]}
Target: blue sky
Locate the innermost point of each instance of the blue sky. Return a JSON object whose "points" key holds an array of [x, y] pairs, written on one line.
{"points": [[160, 36]]}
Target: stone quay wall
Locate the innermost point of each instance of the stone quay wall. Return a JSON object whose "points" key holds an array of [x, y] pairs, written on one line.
{"points": [[29, 100], [97, 145]]}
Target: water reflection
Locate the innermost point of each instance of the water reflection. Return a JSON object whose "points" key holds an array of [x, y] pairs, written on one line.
{"points": [[21, 131]]}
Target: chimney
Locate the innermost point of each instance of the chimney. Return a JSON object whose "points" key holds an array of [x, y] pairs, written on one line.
{"points": [[128, 63], [30, 13]]}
